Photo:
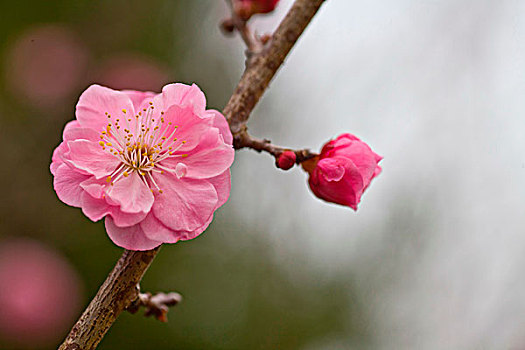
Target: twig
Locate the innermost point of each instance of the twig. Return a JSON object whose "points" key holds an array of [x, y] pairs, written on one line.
{"points": [[253, 44], [260, 145], [118, 291], [156, 305], [120, 288], [265, 64]]}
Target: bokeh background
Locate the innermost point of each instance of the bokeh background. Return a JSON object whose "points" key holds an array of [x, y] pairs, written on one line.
{"points": [[434, 257]]}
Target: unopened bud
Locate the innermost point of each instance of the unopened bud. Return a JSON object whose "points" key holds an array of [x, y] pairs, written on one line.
{"points": [[343, 170], [285, 160]]}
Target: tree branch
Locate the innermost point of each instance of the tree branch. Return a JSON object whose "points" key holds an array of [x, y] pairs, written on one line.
{"points": [[262, 66], [156, 305], [265, 145], [253, 44], [120, 289]]}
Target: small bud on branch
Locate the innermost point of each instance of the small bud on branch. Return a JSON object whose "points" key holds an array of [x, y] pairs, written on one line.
{"points": [[156, 305], [286, 160]]}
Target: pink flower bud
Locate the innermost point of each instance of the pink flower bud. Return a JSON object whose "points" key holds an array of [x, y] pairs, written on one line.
{"points": [[343, 171], [247, 8], [286, 160]]}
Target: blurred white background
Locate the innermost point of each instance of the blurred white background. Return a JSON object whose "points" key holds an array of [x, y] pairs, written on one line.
{"points": [[436, 87]]}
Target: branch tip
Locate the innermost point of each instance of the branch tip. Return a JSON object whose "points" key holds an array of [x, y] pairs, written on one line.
{"points": [[155, 305]]}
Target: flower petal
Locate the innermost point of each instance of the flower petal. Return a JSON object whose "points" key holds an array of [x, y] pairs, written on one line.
{"points": [[155, 230], [96, 101], [186, 236], [94, 208], [131, 237], [362, 156], [73, 131], [139, 98], [56, 159], [185, 126], [332, 169], [220, 122], [185, 204], [67, 185], [181, 95], [131, 193], [122, 219], [97, 208], [222, 184], [95, 187], [210, 158], [347, 191], [90, 157]]}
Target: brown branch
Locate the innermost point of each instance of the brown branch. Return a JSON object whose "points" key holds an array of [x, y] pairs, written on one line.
{"points": [[253, 44], [265, 145], [120, 289], [263, 66]]}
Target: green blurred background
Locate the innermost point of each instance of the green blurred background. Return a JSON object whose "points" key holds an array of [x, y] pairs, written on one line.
{"points": [[433, 258], [236, 295]]}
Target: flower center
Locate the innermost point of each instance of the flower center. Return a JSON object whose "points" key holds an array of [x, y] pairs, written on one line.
{"points": [[141, 143]]}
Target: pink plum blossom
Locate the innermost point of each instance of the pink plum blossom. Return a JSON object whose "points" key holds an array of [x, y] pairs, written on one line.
{"points": [[156, 166], [343, 170]]}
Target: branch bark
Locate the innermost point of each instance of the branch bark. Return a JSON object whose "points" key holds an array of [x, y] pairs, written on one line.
{"points": [[264, 145], [156, 305], [120, 289], [262, 66], [253, 44]]}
